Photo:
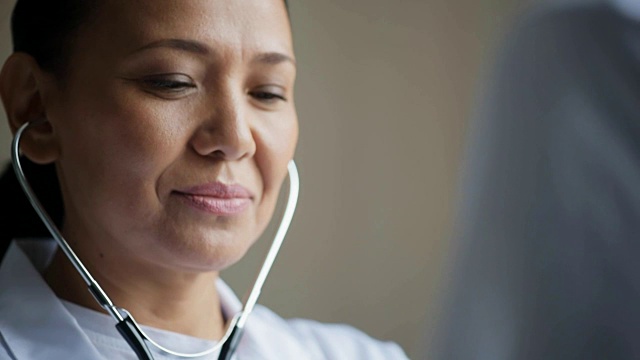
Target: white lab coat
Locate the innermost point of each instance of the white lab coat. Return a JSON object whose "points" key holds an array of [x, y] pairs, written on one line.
{"points": [[35, 324]]}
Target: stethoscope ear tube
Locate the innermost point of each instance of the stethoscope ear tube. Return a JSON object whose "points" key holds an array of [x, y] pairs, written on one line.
{"points": [[93, 286]]}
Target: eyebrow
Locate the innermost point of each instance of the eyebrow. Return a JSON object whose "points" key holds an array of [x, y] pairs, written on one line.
{"points": [[267, 58], [179, 44], [274, 58]]}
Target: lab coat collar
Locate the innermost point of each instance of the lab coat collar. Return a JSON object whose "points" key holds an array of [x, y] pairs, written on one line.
{"points": [[34, 323]]}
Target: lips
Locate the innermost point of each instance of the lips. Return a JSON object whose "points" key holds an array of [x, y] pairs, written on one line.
{"points": [[217, 198]]}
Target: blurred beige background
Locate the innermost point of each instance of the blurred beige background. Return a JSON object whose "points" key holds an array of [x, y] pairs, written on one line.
{"points": [[383, 93]]}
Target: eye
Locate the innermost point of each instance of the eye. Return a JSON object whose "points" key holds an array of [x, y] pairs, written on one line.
{"points": [[268, 94], [171, 84], [168, 84]]}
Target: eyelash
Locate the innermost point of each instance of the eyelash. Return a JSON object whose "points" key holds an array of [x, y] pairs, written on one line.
{"points": [[169, 85], [174, 86], [267, 96]]}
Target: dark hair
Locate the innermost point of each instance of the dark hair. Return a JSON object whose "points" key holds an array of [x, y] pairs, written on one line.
{"points": [[18, 219], [46, 30]]}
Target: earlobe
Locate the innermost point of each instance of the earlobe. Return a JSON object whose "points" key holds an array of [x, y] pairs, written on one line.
{"points": [[21, 93]]}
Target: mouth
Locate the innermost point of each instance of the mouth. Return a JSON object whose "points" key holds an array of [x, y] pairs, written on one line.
{"points": [[217, 198]]}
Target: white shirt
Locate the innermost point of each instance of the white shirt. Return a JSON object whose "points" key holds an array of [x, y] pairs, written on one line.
{"points": [[35, 324]]}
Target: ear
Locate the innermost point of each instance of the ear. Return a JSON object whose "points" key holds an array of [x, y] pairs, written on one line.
{"points": [[21, 88]]}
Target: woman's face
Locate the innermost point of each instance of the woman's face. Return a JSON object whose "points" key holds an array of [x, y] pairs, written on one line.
{"points": [[175, 123]]}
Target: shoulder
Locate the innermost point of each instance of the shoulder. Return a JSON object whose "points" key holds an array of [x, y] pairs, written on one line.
{"points": [[316, 340]]}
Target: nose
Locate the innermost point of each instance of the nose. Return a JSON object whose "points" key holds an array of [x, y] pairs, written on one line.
{"points": [[226, 133]]}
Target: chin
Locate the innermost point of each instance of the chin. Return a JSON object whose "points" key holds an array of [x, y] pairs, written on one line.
{"points": [[204, 254]]}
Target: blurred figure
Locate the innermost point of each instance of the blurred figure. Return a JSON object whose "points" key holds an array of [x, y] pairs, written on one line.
{"points": [[547, 250]]}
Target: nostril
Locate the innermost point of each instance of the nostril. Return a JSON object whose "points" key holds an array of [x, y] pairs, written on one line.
{"points": [[218, 153], [230, 143]]}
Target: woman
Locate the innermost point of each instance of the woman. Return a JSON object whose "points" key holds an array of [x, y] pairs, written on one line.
{"points": [[170, 126]]}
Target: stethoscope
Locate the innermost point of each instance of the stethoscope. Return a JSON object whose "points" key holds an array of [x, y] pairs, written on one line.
{"points": [[126, 324]]}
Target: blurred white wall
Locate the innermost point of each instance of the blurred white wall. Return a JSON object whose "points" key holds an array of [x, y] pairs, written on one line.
{"points": [[383, 94]]}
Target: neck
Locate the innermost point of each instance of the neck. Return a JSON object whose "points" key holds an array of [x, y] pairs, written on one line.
{"points": [[185, 303], [630, 8]]}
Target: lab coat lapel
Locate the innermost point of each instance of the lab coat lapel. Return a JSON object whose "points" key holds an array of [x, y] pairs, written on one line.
{"points": [[33, 321]]}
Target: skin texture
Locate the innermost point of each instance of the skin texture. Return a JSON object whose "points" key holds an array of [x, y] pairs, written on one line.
{"points": [[161, 96]]}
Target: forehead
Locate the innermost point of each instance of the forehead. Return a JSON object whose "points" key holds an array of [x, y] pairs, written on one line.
{"points": [[227, 25]]}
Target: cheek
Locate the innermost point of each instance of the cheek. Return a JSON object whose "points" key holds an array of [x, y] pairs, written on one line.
{"points": [[121, 147], [276, 141], [275, 148], [122, 133]]}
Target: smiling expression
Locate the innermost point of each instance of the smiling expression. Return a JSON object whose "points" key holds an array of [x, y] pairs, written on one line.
{"points": [[175, 124]]}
